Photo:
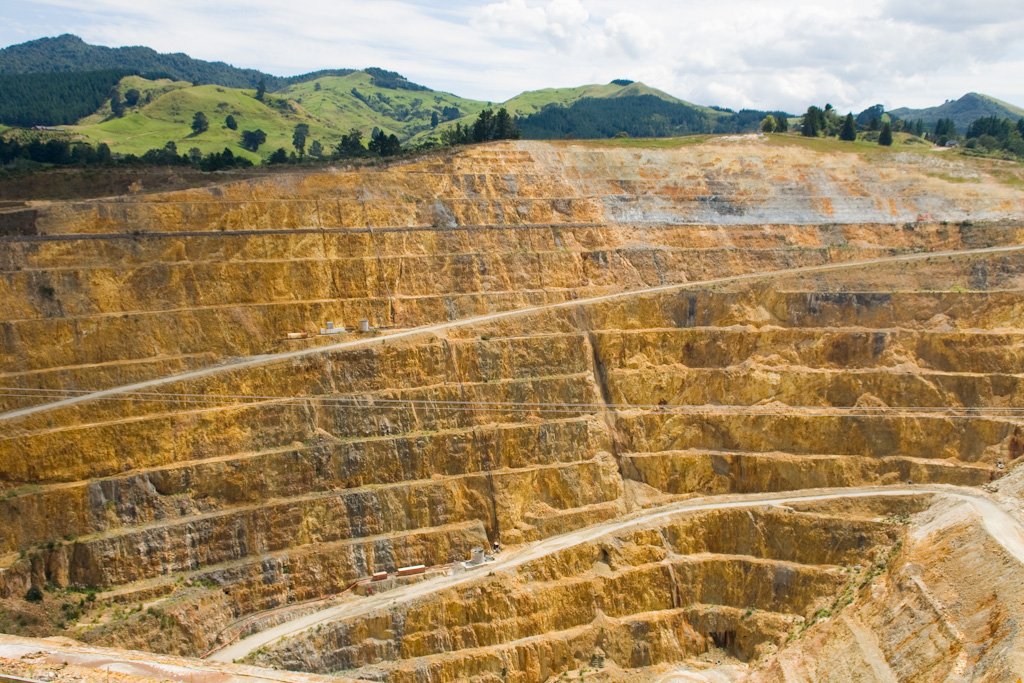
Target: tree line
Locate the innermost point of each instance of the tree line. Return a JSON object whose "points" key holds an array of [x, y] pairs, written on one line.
{"points": [[62, 151], [995, 135], [644, 116], [634, 116], [488, 126], [65, 152], [873, 121], [988, 135]]}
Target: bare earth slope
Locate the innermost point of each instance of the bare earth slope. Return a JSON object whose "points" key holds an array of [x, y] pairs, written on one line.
{"points": [[631, 367]]}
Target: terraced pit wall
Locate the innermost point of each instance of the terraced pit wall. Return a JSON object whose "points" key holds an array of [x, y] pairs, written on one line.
{"points": [[268, 484]]}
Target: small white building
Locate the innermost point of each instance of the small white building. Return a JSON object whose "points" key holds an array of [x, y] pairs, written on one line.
{"points": [[331, 329]]}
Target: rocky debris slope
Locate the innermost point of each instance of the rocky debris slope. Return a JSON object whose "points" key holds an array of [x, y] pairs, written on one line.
{"points": [[947, 609]]}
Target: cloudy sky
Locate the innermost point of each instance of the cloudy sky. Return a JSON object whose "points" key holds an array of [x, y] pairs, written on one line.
{"points": [[736, 53]]}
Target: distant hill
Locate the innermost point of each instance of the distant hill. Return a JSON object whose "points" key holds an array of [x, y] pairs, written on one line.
{"points": [[158, 111], [637, 115], [330, 106], [69, 53], [963, 111], [533, 101]]}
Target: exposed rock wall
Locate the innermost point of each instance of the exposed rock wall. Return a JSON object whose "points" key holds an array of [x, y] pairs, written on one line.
{"points": [[277, 481], [640, 597]]}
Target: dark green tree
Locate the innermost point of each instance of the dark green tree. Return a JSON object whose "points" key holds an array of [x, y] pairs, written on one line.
{"points": [[483, 127], [167, 156], [849, 129], [216, 161], [455, 136], [82, 154], [316, 149], [384, 145], [434, 119], [299, 136], [261, 90], [351, 145], [199, 123], [505, 126], [885, 137], [116, 105], [280, 156], [131, 97], [812, 123], [945, 130], [831, 122], [230, 122], [252, 139]]}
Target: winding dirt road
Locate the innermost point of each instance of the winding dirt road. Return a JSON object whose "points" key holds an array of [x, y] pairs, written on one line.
{"points": [[1004, 529]]}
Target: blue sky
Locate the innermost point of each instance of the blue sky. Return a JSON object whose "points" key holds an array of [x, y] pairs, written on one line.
{"points": [[734, 53]]}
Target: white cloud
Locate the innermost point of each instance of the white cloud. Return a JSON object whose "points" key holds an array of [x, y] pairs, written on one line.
{"points": [[559, 22], [955, 15], [632, 35]]}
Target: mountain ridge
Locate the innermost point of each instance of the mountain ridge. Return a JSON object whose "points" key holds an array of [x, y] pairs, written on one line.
{"points": [[963, 111], [70, 53], [332, 102]]}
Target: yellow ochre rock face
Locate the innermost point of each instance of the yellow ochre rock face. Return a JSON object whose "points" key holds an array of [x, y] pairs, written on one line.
{"points": [[719, 321]]}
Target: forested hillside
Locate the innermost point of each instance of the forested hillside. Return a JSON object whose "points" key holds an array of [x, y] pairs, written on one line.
{"points": [[636, 116], [71, 53], [50, 99]]}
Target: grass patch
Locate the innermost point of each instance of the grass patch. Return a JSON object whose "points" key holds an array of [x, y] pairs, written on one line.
{"points": [[641, 143], [901, 143], [22, 491]]}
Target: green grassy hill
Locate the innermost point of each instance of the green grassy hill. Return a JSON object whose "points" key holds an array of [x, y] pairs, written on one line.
{"points": [[331, 106], [354, 101], [327, 105], [168, 117], [533, 101], [968, 108]]}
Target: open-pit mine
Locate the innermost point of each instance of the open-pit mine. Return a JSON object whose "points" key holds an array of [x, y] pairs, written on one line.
{"points": [[729, 411]]}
